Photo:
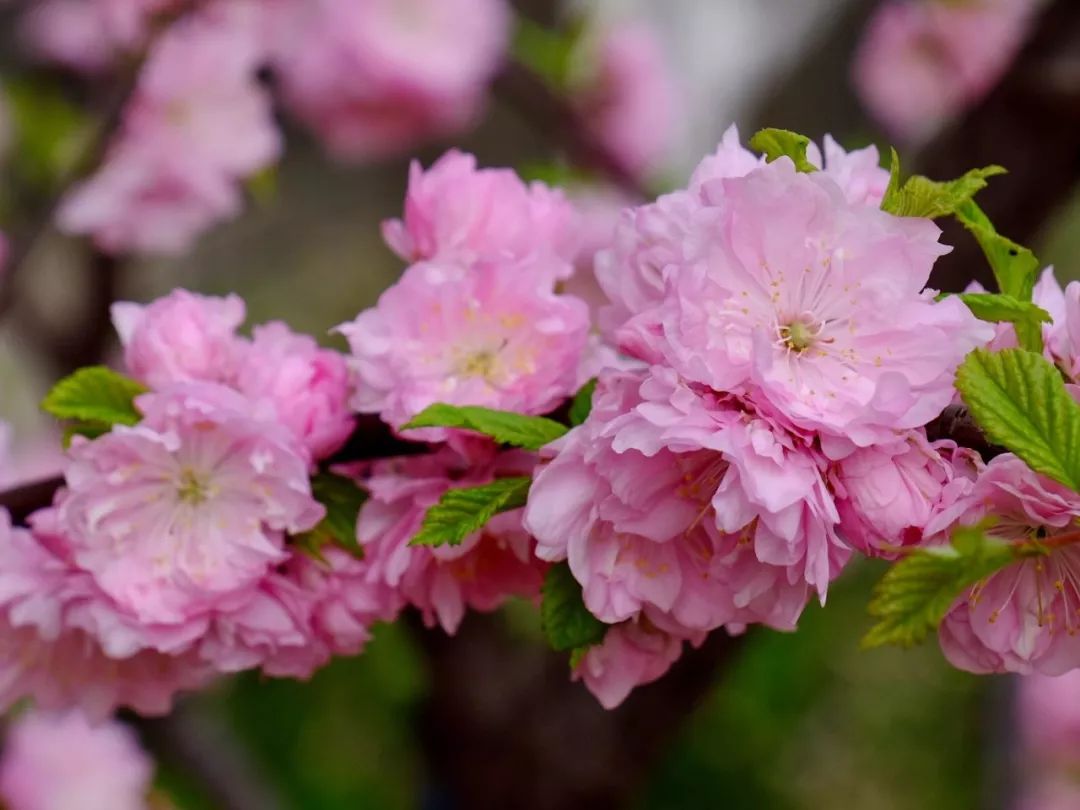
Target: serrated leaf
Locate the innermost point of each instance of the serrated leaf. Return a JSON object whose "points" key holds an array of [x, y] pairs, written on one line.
{"points": [[581, 405], [461, 512], [97, 395], [566, 621], [922, 197], [1019, 400], [915, 594], [342, 499], [1015, 267], [893, 189], [529, 432], [777, 143], [91, 430], [1001, 308]]}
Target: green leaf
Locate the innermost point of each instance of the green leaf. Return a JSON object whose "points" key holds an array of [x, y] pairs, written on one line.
{"points": [[893, 189], [97, 395], [51, 132], [776, 143], [547, 52], [1015, 267], [1000, 308], [342, 499], [566, 621], [915, 594], [922, 197], [1019, 400], [530, 432], [461, 512], [581, 405]]}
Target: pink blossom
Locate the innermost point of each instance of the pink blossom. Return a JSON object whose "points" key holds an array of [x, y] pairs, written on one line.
{"points": [[62, 762], [64, 643], [784, 288], [687, 504], [481, 336], [627, 97], [887, 494], [480, 573], [456, 212], [307, 387], [181, 337], [654, 239], [185, 511], [374, 77], [631, 654], [197, 122], [922, 62], [1048, 714], [1022, 618], [148, 199]]}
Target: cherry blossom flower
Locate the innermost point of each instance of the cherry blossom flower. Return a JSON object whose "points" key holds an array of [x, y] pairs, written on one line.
{"points": [[786, 289], [1024, 617], [58, 761], [480, 573], [185, 511], [677, 502], [456, 212], [631, 654], [307, 387], [181, 337], [487, 335]]}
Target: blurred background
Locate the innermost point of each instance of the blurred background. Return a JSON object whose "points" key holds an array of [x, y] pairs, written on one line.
{"points": [[488, 720]]}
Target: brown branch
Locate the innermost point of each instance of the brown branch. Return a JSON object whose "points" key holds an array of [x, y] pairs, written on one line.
{"points": [[530, 96]]}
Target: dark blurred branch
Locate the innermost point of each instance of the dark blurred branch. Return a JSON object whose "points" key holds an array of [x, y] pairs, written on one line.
{"points": [[552, 115], [506, 727], [204, 749], [1030, 124]]}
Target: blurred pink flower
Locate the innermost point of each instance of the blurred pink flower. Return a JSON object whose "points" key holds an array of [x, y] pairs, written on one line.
{"points": [[480, 573], [375, 77], [185, 511], [62, 762], [626, 95], [487, 335], [197, 123], [457, 213], [1048, 714], [181, 337], [922, 62]]}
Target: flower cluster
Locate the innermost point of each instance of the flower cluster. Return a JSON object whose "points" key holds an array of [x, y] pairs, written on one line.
{"points": [[790, 356], [164, 559]]}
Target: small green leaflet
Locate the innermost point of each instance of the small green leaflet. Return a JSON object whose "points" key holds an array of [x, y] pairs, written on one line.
{"points": [[567, 623], [342, 499], [777, 143], [1019, 400], [581, 405], [921, 197], [1001, 308], [1015, 267], [530, 432], [96, 398], [547, 52], [461, 512], [915, 594]]}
